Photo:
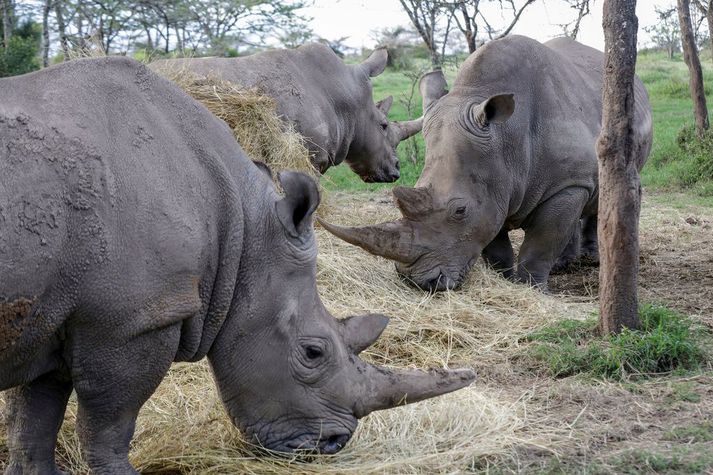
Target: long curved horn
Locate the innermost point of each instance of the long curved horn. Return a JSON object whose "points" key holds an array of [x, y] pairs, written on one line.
{"points": [[409, 128], [393, 240], [385, 388]]}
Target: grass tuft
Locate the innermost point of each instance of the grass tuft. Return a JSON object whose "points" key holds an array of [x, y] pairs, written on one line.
{"points": [[665, 343]]}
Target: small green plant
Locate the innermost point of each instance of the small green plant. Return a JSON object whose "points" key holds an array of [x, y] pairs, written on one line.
{"points": [[684, 392], [693, 459], [699, 151], [666, 342], [693, 433]]}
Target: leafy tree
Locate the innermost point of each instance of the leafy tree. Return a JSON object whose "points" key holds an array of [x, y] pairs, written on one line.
{"points": [[690, 55], [402, 44], [471, 19], [705, 7], [666, 33], [432, 19], [20, 54]]}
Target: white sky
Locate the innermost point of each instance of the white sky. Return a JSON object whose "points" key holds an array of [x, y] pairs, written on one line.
{"points": [[358, 19]]}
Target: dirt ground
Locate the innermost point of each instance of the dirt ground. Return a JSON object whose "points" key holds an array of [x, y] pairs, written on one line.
{"points": [[512, 420], [663, 425]]}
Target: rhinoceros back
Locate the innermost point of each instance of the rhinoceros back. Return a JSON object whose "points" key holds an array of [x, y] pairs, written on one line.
{"points": [[591, 62], [113, 184]]}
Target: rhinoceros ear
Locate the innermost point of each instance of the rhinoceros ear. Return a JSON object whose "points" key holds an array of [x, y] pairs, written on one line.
{"points": [[384, 105], [376, 62], [432, 87], [361, 332], [301, 200], [495, 110]]}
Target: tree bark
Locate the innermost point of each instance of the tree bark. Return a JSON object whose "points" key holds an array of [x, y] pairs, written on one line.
{"points": [[619, 185], [46, 33], [469, 30], [61, 28], [7, 21], [690, 56], [709, 19]]}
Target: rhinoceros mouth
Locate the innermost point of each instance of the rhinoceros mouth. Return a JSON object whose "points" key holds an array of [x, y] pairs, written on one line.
{"points": [[437, 280], [318, 444]]}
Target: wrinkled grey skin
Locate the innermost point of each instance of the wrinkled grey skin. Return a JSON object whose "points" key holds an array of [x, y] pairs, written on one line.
{"points": [[512, 145], [134, 233], [329, 103]]}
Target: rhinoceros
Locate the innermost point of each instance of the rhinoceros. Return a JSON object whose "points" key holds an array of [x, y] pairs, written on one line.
{"points": [[134, 233], [329, 103], [512, 145]]}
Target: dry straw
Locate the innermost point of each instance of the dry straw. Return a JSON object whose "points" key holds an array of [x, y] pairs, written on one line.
{"points": [[251, 115]]}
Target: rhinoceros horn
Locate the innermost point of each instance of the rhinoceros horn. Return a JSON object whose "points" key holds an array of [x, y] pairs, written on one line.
{"points": [[360, 332], [385, 388], [409, 128], [414, 203], [392, 240]]}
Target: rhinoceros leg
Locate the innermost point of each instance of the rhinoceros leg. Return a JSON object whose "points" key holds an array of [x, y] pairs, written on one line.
{"points": [[113, 379], [571, 251], [34, 416], [547, 232], [499, 255], [590, 245]]}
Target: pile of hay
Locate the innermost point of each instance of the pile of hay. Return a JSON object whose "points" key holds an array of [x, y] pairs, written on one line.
{"points": [[184, 429], [250, 114]]}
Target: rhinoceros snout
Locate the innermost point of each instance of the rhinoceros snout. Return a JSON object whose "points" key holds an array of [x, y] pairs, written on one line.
{"points": [[334, 444], [323, 445], [438, 283], [392, 172]]}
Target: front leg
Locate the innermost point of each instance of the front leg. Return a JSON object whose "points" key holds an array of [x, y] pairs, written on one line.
{"points": [[499, 255], [113, 381], [549, 228], [34, 415]]}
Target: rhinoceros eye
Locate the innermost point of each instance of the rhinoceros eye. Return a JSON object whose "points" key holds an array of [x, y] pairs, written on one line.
{"points": [[458, 212], [313, 352]]}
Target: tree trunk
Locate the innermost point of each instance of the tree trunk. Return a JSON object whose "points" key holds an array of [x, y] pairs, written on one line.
{"points": [[149, 41], [690, 56], [470, 30], [60, 26], [619, 186], [7, 21], [46, 33], [709, 18], [435, 60]]}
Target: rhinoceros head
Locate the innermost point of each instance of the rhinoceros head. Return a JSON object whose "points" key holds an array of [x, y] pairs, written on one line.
{"points": [[289, 373], [372, 152], [456, 208]]}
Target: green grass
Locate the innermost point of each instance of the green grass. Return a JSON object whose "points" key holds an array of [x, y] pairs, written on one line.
{"points": [[669, 167], [694, 433], [686, 459], [667, 342]]}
